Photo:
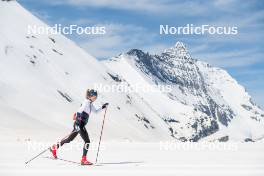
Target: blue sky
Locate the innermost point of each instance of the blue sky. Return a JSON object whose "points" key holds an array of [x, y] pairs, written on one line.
{"points": [[135, 24]]}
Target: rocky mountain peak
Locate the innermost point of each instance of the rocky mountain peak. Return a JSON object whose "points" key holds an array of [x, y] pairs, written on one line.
{"points": [[136, 52], [178, 50]]}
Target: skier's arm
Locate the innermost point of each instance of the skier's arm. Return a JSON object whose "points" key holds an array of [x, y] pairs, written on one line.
{"points": [[99, 109]]}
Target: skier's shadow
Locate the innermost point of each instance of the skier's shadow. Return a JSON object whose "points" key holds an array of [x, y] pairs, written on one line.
{"points": [[123, 162]]}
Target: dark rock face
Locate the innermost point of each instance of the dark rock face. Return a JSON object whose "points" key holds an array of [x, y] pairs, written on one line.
{"points": [[205, 130], [249, 140], [223, 139], [248, 108], [115, 77], [147, 124], [212, 109], [65, 95]]}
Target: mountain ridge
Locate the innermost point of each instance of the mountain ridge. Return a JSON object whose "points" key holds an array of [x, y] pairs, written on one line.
{"points": [[193, 85]]}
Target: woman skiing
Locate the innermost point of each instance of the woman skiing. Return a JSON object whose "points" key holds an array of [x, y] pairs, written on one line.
{"points": [[81, 118]]}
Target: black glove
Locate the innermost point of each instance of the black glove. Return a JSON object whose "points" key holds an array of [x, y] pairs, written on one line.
{"points": [[105, 105]]}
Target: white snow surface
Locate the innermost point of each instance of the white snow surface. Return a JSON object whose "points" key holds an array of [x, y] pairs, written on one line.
{"points": [[36, 69], [125, 158]]}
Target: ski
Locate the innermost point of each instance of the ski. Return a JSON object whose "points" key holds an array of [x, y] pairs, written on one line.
{"points": [[61, 159], [70, 161]]}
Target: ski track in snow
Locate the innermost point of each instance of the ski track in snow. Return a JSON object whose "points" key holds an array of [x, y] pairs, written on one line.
{"points": [[136, 158]]}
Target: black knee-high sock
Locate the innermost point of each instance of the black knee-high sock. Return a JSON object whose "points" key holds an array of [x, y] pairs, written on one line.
{"points": [[86, 139]]}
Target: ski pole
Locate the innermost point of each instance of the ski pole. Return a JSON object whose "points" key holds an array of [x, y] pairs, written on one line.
{"points": [[100, 137], [37, 156]]}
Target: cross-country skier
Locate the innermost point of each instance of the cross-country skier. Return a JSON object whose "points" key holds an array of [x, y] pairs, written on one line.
{"points": [[81, 118]]}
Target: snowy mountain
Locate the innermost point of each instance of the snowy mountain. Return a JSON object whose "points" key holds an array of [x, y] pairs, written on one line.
{"points": [[44, 78], [204, 101]]}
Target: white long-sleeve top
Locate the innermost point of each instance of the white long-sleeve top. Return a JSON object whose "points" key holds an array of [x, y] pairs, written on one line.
{"points": [[88, 107]]}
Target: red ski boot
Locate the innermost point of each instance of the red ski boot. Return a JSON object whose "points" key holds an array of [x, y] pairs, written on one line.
{"points": [[53, 150], [85, 162]]}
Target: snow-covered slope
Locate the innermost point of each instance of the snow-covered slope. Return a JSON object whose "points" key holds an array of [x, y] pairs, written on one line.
{"points": [[204, 101], [43, 79]]}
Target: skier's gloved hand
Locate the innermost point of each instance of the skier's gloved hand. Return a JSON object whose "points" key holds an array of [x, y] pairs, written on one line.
{"points": [[105, 105]]}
